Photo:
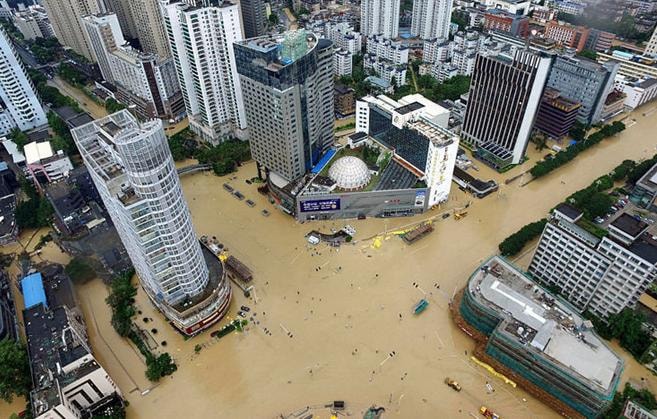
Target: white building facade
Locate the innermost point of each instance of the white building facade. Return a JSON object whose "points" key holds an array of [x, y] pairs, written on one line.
{"points": [[380, 17], [388, 58], [201, 40], [21, 104], [145, 83], [343, 36], [651, 48], [342, 63], [431, 19], [640, 92], [132, 168], [422, 119], [604, 275]]}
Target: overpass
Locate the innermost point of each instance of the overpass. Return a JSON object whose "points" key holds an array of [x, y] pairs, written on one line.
{"points": [[195, 168]]}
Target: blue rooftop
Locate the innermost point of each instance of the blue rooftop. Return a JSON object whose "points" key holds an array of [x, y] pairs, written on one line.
{"points": [[33, 292], [3, 166], [324, 161]]}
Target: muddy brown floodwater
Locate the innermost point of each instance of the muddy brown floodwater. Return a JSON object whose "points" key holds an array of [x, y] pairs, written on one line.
{"points": [[342, 307]]}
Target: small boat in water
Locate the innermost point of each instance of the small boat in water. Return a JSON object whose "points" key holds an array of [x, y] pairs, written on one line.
{"points": [[420, 306]]}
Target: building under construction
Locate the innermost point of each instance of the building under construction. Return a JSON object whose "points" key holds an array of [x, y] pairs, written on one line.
{"points": [[540, 341]]}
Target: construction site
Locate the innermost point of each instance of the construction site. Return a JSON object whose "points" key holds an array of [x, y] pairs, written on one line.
{"points": [[534, 339]]}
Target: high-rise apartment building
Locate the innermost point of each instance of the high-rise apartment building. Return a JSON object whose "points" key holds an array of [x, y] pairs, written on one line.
{"points": [[601, 275], [105, 36], [144, 82], [379, 17], [20, 105], [287, 84], [651, 48], [150, 27], [254, 18], [431, 19], [132, 168], [504, 96], [342, 63], [388, 58], [66, 20], [201, 39], [343, 36], [33, 23], [584, 81], [124, 14]]}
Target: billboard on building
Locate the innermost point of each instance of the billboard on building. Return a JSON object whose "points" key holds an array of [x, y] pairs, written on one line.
{"points": [[320, 205], [420, 197]]}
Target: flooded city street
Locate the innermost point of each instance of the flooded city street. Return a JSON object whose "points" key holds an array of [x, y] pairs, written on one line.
{"points": [[337, 323]]}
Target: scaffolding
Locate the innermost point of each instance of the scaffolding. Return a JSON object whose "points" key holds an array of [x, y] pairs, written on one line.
{"points": [[294, 46]]}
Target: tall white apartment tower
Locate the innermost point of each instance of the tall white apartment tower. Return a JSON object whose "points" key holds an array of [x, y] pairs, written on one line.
{"points": [[21, 107], [66, 20], [132, 168], [124, 14], [201, 39], [651, 48], [150, 27], [379, 17], [431, 19], [105, 36]]}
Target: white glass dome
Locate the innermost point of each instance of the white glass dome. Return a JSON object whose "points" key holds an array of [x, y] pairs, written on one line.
{"points": [[349, 173]]}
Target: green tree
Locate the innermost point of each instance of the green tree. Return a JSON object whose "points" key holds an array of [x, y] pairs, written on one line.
{"points": [[19, 138], [112, 106], [15, 377], [46, 50], [226, 156], [79, 270], [459, 20], [587, 53], [72, 75], [35, 212], [274, 19], [641, 169], [120, 301], [513, 244], [621, 171], [627, 327], [160, 366]]}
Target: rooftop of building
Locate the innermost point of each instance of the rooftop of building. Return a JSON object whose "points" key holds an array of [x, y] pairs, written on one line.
{"points": [[97, 141], [16, 156], [342, 89], [544, 324], [411, 107], [38, 136], [7, 209], [52, 345], [646, 83], [282, 50], [52, 339], [35, 152], [649, 179], [629, 225], [569, 211], [33, 291], [504, 13]]}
